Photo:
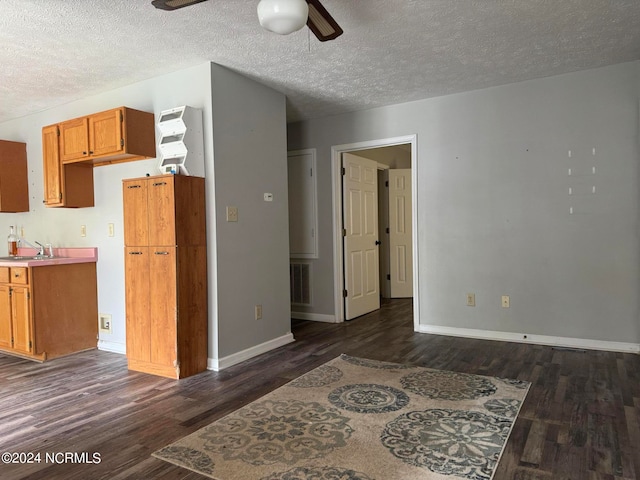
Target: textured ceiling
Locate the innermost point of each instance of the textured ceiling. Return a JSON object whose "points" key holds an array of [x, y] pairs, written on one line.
{"points": [[392, 51]]}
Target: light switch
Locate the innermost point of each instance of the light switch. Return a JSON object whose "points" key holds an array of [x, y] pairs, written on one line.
{"points": [[111, 230], [83, 230]]}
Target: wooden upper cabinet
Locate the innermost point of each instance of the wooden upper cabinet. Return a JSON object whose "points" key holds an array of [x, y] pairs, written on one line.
{"points": [[14, 183], [74, 139], [118, 135], [69, 185], [105, 133], [51, 166], [72, 148]]}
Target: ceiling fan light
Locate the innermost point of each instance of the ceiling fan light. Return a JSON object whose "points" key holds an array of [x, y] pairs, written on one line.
{"points": [[283, 16]]}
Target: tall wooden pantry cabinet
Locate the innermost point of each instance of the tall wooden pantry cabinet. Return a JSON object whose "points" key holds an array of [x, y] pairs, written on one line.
{"points": [[165, 275]]}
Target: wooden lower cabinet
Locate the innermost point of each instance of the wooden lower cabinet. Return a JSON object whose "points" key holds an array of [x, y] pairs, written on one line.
{"points": [[15, 319], [6, 324], [166, 299], [48, 311], [21, 320]]}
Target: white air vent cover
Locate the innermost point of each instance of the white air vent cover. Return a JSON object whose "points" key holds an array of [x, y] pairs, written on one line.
{"points": [[300, 281]]}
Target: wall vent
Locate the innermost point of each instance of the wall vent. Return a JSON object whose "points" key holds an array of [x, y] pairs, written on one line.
{"points": [[300, 283]]}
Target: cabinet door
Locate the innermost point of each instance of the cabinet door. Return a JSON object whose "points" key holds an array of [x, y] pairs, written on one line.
{"points": [[135, 212], [164, 312], [74, 139], [136, 272], [14, 183], [105, 133], [51, 166], [5, 317], [162, 214], [21, 319]]}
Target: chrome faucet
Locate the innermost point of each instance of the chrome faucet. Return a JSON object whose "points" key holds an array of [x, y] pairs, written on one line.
{"points": [[40, 248]]}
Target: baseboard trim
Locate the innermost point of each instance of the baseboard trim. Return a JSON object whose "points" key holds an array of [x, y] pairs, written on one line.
{"points": [[114, 347], [567, 342], [316, 317], [235, 358]]}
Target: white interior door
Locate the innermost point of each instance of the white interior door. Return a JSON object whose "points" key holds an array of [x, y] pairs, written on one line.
{"points": [[400, 243], [360, 221]]}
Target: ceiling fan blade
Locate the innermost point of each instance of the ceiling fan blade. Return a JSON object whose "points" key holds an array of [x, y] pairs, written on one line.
{"points": [[321, 23], [174, 4]]}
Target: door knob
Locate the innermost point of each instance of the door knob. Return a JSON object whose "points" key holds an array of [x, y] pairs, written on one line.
{"points": [[378, 242]]}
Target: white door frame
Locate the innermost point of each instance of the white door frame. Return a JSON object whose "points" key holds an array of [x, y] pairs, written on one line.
{"points": [[336, 175]]}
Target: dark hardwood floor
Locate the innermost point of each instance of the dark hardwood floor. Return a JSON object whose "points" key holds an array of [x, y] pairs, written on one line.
{"points": [[580, 420]]}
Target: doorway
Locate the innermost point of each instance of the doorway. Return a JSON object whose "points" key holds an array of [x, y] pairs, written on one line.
{"points": [[377, 150]]}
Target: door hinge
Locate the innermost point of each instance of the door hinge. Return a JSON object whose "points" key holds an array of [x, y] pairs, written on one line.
{"points": [[121, 116], [122, 142], [30, 345], [10, 291], [387, 229], [58, 130], [60, 196], [344, 232], [388, 276], [344, 293], [28, 295], [386, 184], [344, 171], [311, 172]]}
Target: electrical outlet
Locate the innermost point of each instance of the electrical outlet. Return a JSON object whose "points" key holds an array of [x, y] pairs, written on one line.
{"points": [[111, 230], [505, 301], [104, 322], [83, 230], [232, 214], [258, 312], [471, 299]]}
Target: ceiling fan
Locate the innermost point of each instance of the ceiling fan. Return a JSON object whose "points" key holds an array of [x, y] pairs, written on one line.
{"points": [[281, 16]]}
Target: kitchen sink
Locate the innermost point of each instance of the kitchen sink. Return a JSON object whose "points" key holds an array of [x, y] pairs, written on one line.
{"points": [[22, 258]]}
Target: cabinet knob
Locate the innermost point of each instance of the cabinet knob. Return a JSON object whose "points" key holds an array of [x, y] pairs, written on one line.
{"points": [[159, 184], [84, 153], [135, 253], [162, 253], [134, 186]]}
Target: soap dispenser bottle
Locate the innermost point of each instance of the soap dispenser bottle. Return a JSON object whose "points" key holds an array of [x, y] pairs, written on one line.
{"points": [[12, 242]]}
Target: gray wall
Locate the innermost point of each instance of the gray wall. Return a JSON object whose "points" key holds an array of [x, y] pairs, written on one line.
{"points": [[493, 203], [252, 258]]}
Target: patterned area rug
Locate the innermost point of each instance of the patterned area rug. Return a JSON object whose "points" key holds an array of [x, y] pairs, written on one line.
{"points": [[357, 419]]}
